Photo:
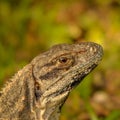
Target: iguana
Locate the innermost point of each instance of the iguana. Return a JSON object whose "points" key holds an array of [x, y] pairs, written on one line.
{"points": [[39, 90]]}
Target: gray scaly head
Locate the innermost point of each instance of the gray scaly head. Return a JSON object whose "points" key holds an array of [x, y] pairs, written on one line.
{"points": [[57, 71]]}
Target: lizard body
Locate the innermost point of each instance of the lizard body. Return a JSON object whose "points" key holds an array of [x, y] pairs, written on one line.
{"points": [[38, 91]]}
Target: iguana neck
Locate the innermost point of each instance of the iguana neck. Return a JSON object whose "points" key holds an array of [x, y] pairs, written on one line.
{"points": [[18, 99], [17, 95], [51, 107]]}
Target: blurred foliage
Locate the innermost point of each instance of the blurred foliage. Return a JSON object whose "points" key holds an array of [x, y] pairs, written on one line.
{"points": [[28, 27]]}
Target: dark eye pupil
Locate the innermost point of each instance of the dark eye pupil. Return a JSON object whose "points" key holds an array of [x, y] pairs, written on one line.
{"points": [[63, 60]]}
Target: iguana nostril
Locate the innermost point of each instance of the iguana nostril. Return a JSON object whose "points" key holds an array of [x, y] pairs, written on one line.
{"points": [[93, 49]]}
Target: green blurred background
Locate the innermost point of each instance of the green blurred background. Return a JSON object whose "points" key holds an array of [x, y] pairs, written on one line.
{"points": [[29, 27]]}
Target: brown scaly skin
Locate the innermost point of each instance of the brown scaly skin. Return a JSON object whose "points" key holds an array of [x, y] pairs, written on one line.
{"points": [[38, 91]]}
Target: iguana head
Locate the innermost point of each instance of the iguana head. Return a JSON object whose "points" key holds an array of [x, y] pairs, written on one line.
{"points": [[59, 70]]}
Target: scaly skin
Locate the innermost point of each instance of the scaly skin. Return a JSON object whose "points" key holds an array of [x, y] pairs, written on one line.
{"points": [[39, 90]]}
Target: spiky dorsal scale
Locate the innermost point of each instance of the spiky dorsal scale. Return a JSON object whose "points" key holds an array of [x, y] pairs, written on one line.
{"points": [[17, 96]]}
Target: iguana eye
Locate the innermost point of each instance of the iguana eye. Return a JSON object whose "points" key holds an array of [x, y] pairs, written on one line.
{"points": [[63, 59]]}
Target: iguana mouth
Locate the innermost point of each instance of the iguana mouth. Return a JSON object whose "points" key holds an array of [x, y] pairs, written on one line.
{"points": [[76, 79], [79, 77]]}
